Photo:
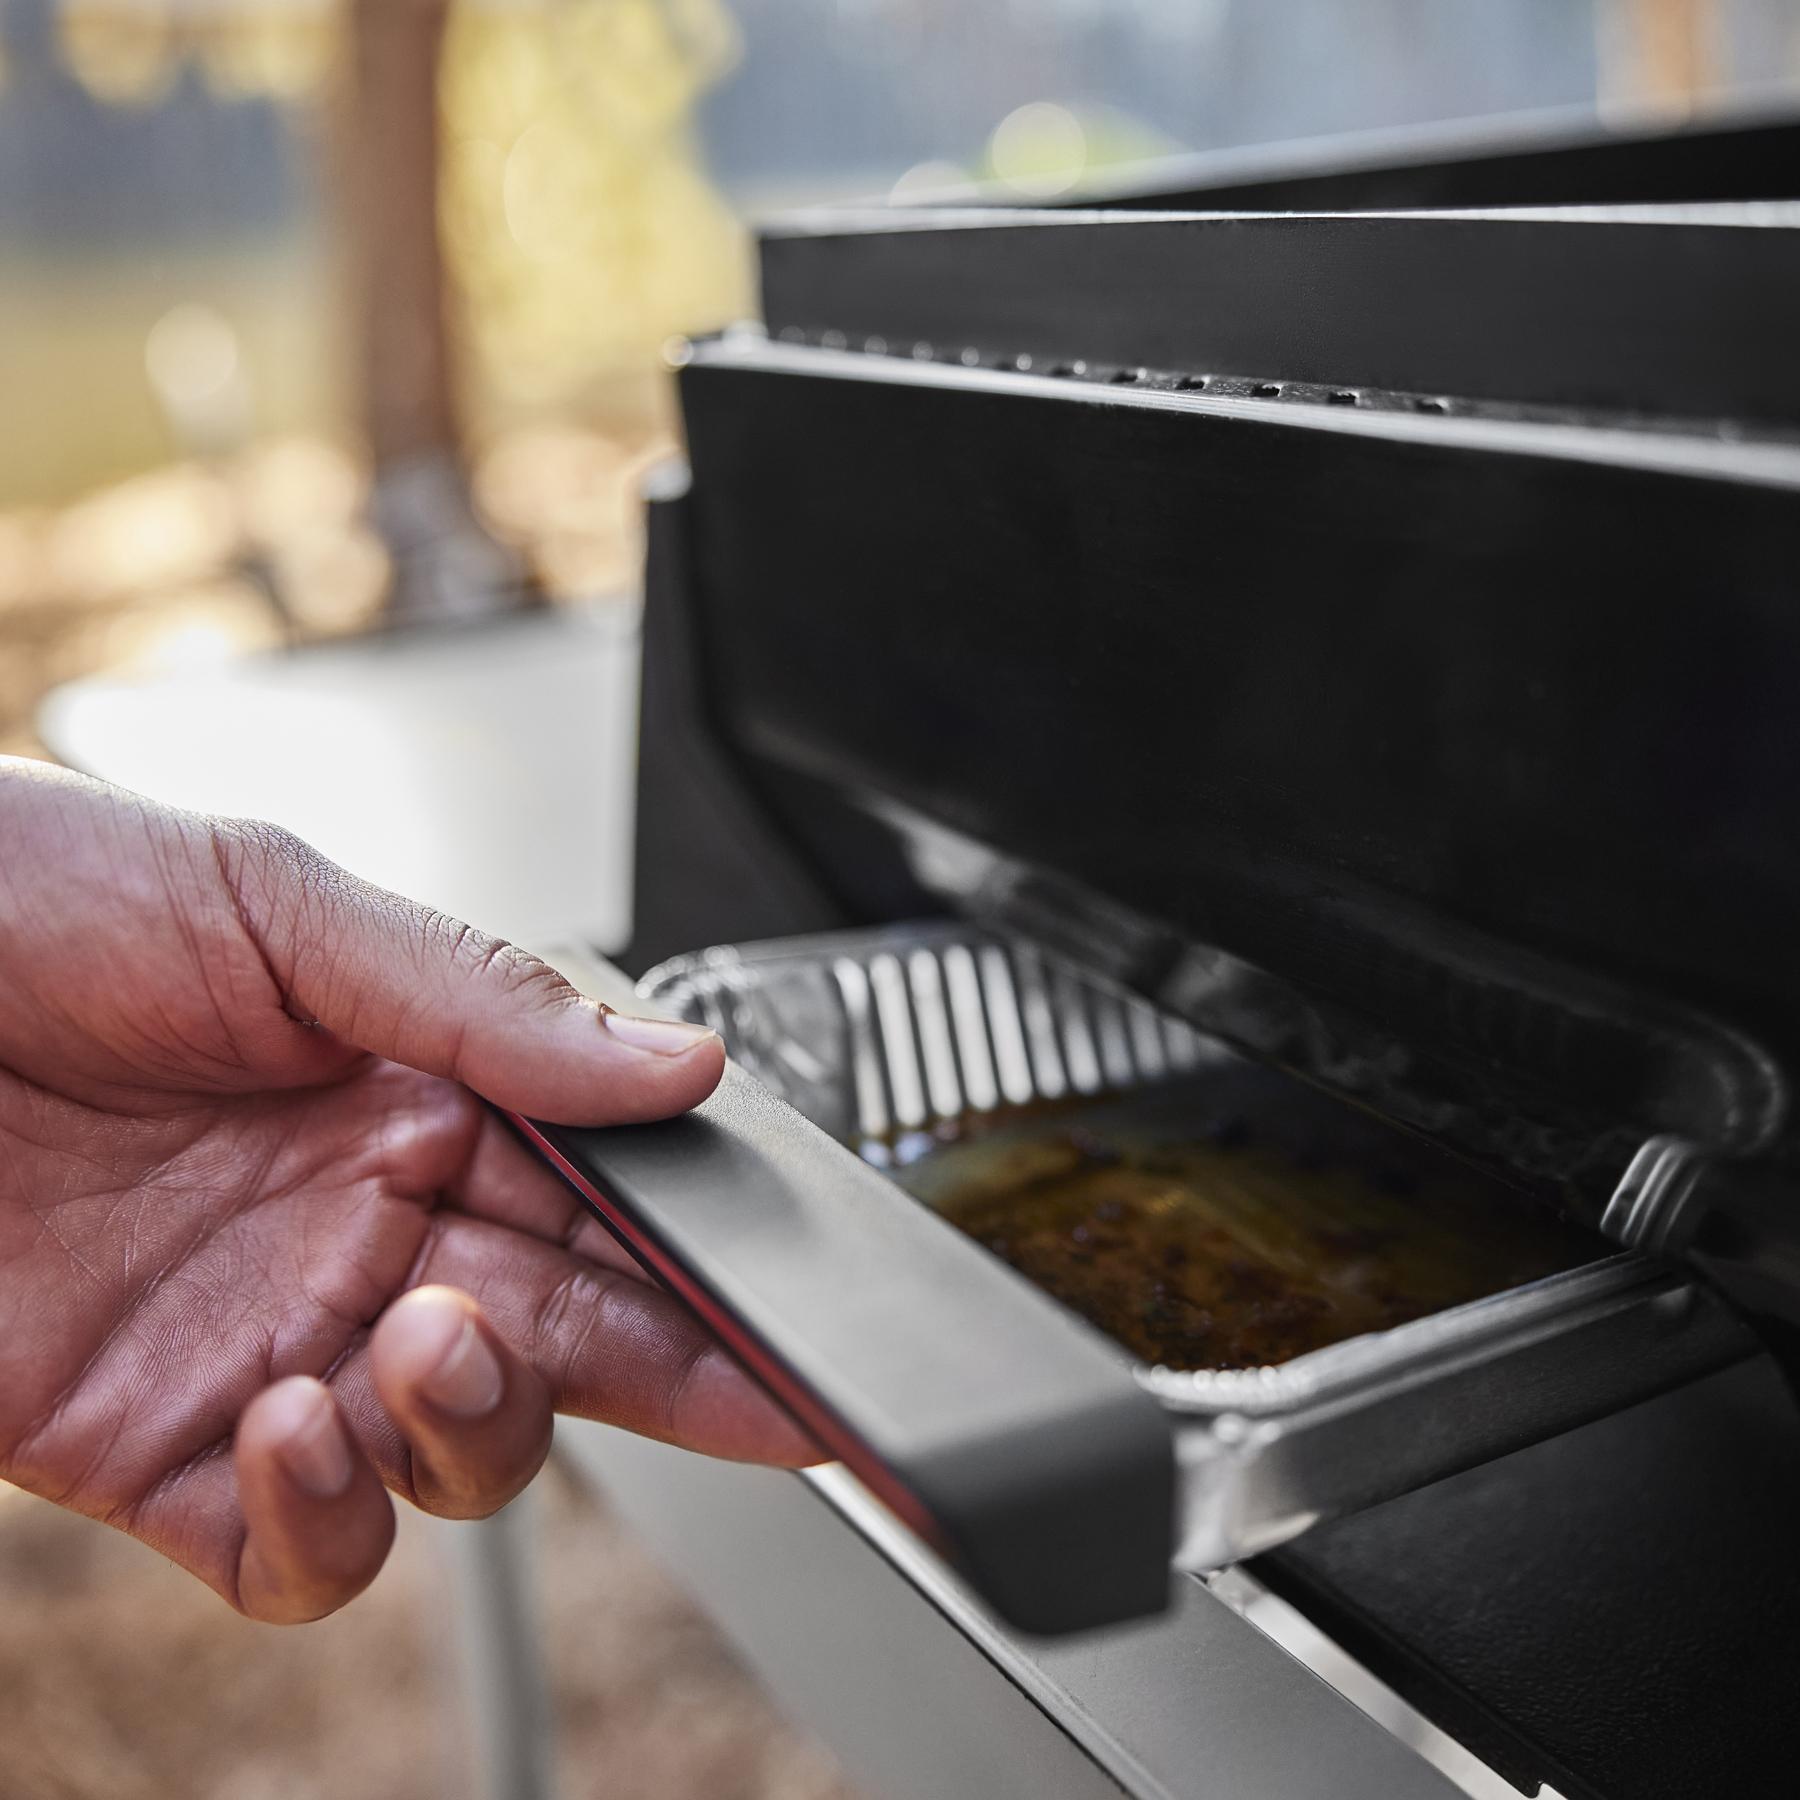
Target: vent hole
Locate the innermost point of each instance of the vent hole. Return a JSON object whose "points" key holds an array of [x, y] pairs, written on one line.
{"points": [[1127, 377], [1343, 397], [1431, 406], [1266, 390]]}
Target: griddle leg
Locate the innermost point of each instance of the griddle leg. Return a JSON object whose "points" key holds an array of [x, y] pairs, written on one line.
{"points": [[505, 1700]]}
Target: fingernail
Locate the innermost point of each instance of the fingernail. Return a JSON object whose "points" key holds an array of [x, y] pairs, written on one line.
{"points": [[665, 1037], [468, 1382], [317, 1453]]}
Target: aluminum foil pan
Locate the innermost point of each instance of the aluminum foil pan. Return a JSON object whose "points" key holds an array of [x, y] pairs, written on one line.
{"points": [[884, 1039], [892, 1040]]}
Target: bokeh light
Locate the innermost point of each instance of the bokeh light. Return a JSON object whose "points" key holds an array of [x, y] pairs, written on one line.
{"points": [[1039, 149], [579, 225], [122, 53]]}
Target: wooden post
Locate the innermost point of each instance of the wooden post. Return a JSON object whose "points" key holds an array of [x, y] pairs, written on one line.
{"points": [[445, 564], [390, 176], [1658, 53]]}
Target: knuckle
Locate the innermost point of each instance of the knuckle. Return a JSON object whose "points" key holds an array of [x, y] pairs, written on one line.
{"points": [[574, 1312], [273, 876], [259, 841], [514, 972]]}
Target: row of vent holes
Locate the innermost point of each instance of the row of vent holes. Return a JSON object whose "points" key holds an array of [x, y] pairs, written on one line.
{"points": [[932, 1037], [1077, 370], [1261, 390]]}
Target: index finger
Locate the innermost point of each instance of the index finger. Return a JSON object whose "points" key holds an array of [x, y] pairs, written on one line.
{"points": [[608, 1347]]}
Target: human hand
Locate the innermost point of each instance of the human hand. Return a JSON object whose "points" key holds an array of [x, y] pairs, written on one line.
{"points": [[262, 1251]]}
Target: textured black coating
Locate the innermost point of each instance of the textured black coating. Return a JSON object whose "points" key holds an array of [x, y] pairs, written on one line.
{"points": [[1615, 1612]]}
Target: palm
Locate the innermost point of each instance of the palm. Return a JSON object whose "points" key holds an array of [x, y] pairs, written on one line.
{"points": [[260, 1237], [206, 1192]]}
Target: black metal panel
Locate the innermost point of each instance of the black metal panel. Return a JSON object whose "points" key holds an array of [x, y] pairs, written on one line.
{"points": [[711, 865], [1377, 711], [1653, 312], [1532, 161]]}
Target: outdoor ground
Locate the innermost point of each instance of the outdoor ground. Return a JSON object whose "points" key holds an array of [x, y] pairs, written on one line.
{"points": [[123, 1679]]}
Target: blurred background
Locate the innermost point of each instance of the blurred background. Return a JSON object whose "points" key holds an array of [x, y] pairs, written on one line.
{"points": [[218, 298], [318, 316]]}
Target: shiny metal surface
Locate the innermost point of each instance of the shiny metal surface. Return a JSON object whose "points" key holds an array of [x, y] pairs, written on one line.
{"points": [[861, 1634], [1698, 1077], [1304, 1641], [1645, 1212]]}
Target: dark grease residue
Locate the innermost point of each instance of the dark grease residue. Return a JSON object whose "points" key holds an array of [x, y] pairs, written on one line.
{"points": [[1224, 1251]]}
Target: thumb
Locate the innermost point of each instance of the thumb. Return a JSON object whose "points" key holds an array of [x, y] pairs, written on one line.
{"points": [[411, 984]]}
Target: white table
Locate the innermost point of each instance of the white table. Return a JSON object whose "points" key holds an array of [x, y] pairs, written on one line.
{"points": [[486, 769]]}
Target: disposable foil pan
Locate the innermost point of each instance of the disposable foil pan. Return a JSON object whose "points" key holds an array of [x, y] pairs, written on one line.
{"points": [[887, 1039]]}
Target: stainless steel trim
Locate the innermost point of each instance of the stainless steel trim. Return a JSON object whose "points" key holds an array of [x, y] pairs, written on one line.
{"points": [[1540, 1360], [1363, 1366], [1766, 464], [860, 1632], [1296, 1634]]}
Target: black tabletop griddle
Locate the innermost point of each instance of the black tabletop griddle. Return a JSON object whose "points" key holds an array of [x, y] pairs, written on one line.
{"points": [[1376, 638]]}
